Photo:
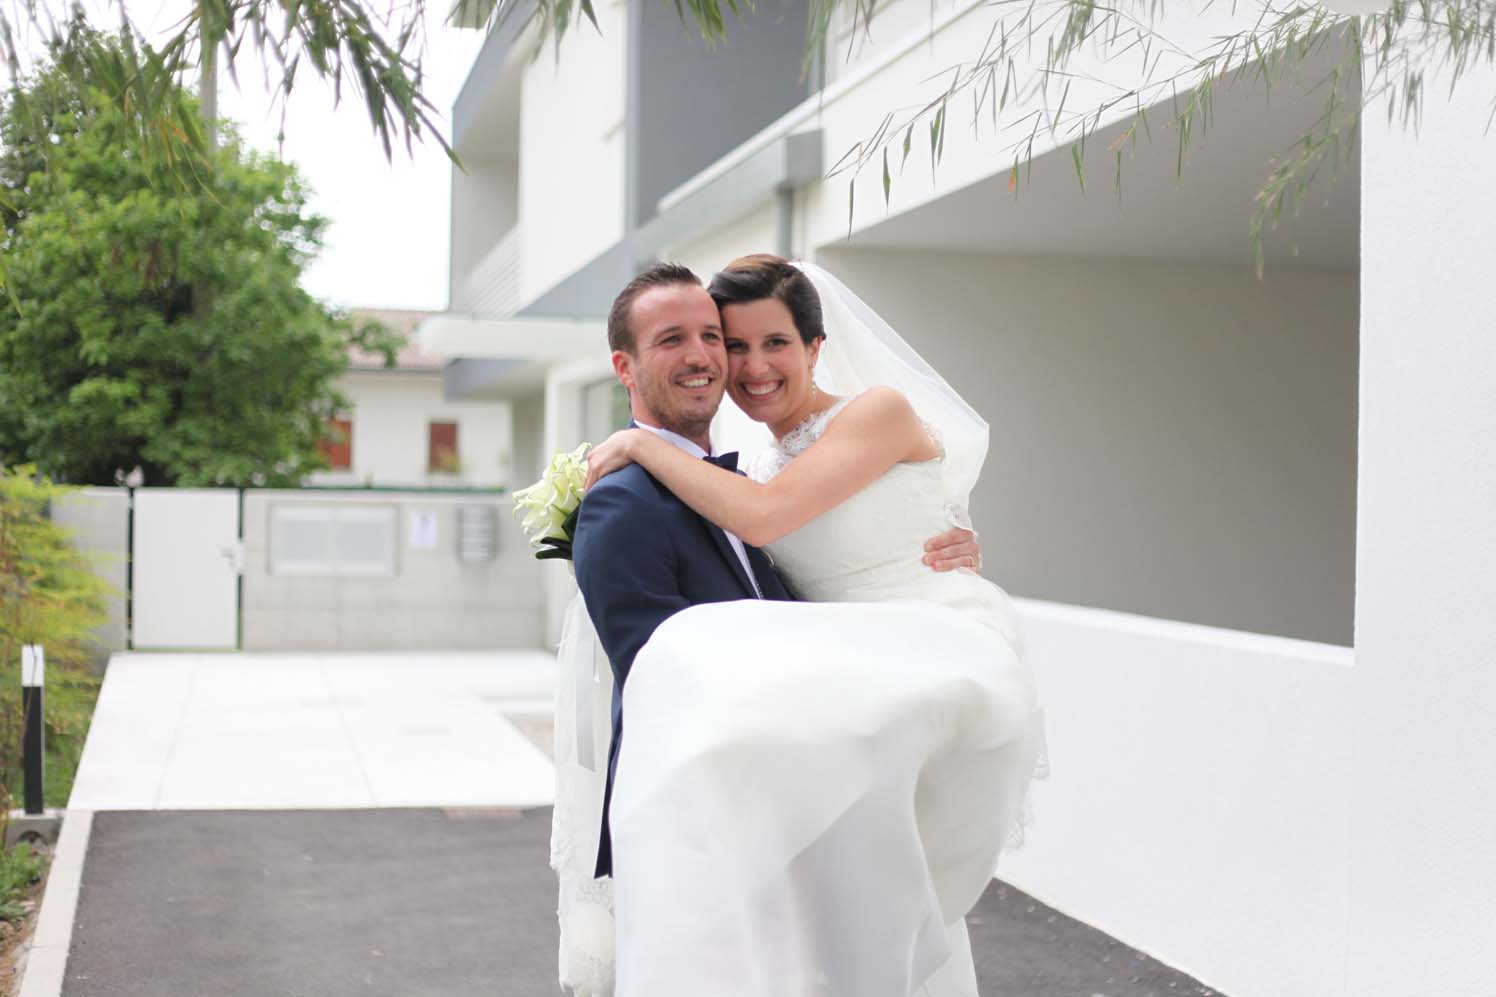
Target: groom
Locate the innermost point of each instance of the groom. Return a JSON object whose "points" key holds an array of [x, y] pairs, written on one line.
{"points": [[641, 555]]}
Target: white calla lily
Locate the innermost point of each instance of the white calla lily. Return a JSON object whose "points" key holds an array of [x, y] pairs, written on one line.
{"points": [[545, 506]]}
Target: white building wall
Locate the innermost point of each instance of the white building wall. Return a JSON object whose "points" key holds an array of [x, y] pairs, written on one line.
{"points": [[752, 233], [916, 68], [391, 410], [563, 430], [1177, 441], [1423, 910], [854, 41], [571, 166]]}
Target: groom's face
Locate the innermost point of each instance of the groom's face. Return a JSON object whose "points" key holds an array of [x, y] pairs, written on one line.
{"points": [[676, 372]]}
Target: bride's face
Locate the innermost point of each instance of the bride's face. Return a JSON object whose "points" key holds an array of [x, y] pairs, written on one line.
{"points": [[768, 365]]}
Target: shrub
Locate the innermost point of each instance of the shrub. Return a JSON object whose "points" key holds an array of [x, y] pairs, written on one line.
{"points": [[49, 595]]}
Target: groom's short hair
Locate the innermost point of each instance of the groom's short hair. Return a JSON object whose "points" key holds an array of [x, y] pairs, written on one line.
{"points": [[620, 335]]}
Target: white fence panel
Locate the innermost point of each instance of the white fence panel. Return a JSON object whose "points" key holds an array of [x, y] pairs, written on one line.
{"points": [[185, 552]]}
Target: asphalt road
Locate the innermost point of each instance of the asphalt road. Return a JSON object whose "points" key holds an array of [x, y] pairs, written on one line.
{"points": [[426, 903]]}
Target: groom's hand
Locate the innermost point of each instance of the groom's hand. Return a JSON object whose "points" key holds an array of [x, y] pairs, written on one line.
{"points": [[955, 548]]}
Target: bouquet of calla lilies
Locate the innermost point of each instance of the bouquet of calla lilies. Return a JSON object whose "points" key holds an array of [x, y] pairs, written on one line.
{"points": [[550, 506]]}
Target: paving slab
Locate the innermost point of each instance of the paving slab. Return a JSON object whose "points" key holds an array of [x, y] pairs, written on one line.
{"points": [[410, 903], [324, 730]]}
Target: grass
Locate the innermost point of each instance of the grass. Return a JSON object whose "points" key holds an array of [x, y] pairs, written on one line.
{"points": [[20, 867], [70, 698]]}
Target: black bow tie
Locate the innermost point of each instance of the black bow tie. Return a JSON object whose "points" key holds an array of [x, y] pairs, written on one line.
{"points": [[728, 461]]}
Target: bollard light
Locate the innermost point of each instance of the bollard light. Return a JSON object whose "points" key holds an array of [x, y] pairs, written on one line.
{"points": [[33, 746]]}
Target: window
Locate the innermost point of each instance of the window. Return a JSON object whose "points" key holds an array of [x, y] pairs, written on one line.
{"points": [[337, 444], [605, 408], [308, 539], [441, 448]]}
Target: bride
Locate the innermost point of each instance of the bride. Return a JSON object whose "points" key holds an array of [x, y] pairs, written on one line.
{"points": [[814, 794]]}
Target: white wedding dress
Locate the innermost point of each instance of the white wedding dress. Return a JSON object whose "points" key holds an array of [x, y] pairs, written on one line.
{"points": [[812, 795]]}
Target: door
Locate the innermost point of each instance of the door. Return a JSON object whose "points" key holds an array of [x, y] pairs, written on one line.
{"points": [[185, 557]]}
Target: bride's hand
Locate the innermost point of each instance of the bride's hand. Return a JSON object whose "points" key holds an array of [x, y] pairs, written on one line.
{"points": [[612, 454], [953, 549]]}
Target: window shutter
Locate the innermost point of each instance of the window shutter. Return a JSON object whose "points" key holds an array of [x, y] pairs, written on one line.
{"points": [[337, 445], [441, 447]]}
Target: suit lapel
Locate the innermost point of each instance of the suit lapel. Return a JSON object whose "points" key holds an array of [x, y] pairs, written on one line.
{"points": [[719, 537], [769, 582], [724, 546]]}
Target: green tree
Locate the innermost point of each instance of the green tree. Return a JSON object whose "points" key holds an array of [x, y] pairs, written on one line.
{"points": [[155, 324]]}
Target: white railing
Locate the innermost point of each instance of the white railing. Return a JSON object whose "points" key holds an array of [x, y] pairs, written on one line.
{"points": [[491, 288]]}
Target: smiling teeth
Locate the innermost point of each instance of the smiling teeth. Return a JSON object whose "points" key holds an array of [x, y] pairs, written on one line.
{"points": [[695, 382], [759, 391]]}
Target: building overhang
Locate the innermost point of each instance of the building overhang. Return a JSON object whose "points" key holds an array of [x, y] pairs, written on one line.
{"points": [[505, 358]]}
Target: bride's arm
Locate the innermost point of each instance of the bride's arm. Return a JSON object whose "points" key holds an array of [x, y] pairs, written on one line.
{"points": [[875, 431]]}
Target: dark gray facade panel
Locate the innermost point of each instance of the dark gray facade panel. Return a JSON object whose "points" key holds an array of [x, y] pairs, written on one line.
{"points": [[464, 377], [690, 106], [777, 168]]}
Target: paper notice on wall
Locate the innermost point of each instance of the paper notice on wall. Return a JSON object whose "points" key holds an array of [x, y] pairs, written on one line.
{"points": [[422, 532]]}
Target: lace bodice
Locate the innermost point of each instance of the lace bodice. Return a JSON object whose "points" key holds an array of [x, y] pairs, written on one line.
{"points": [[869, 548]]}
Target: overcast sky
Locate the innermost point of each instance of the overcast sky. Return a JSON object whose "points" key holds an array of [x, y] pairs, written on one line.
{"points": [[387, 242]]}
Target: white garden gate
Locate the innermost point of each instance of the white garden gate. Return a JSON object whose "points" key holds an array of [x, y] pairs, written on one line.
{"points": [[185, 558]]}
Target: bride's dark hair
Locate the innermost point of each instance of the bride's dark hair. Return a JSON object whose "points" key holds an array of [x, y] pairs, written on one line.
{"points": [[764, 275]]}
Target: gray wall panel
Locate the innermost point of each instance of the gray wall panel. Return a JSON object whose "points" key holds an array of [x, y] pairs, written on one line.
{"points": [[99, 521], [434, 601], [688, 107]]}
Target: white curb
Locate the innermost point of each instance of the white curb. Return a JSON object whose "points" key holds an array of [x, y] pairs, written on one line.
{"points": [[47, 956]]}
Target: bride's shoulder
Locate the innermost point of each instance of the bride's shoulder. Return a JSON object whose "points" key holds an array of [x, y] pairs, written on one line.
{"points": [[878, 413], [884, 413], [879, 408]]}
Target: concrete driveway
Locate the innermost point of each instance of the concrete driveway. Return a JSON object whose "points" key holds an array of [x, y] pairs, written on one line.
{"points": [[317, 731], [324, 825], [428, 903]]}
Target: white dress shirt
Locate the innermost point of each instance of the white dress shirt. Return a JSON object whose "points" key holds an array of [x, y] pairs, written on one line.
{"points": [[681, 443]]}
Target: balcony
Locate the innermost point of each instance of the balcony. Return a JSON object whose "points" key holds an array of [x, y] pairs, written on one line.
{"points": [[491, 287]]}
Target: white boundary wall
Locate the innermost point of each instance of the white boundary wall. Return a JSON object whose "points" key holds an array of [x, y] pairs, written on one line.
{"points": [[1200, 795], [433, 600], [98, 520]]}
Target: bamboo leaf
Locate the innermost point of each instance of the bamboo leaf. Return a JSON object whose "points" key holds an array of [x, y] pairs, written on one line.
{"points": [[591, 15]]}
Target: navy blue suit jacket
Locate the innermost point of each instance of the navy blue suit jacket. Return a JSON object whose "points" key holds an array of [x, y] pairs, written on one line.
{"points": [[641, 556]]}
